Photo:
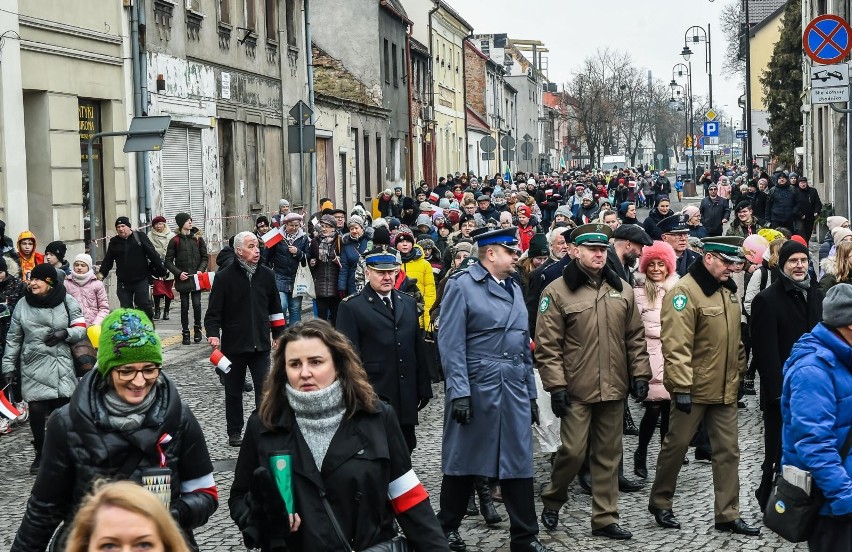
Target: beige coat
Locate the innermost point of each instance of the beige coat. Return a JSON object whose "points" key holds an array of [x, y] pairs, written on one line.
{"points": [[590, 340]]}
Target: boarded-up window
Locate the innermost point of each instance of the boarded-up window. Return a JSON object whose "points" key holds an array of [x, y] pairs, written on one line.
{"points": [[251, 14], [271, 20], [291, 16], [183, 179], [225, 11]]}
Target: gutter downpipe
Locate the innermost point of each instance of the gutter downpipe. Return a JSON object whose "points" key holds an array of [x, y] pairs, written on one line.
{"points": [[141, 183], [309, 55], [433, 180]]}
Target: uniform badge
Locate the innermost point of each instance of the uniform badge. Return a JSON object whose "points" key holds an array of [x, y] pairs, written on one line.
{"points": [[545, 302], [679, 302]]}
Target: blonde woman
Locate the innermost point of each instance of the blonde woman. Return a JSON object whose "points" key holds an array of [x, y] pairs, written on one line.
{"points": [[839, 272], [121, 516], [764, 275]]}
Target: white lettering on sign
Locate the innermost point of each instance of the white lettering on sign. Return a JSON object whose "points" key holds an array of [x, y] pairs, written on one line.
{"points": [[226, 86]]}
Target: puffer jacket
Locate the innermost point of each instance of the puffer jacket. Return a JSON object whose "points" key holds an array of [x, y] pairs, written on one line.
{"points": [[80, 449], [651, 320], [325, 273], [91, 295], [590, 340], [160, 241], [418, 268], [11, 290], [782, 204], [186, 253], [816, 416], [285, 264], [350, 253], [46, 372]]}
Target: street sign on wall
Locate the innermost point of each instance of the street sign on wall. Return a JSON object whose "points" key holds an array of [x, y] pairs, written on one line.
{"points": [[742, 134], [827, 39], [829, 83]]}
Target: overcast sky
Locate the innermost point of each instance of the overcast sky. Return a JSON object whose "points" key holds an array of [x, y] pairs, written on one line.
{"points": [[651, 31]]}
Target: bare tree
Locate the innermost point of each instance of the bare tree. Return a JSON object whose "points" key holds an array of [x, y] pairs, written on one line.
{"points": [[733, 24]]}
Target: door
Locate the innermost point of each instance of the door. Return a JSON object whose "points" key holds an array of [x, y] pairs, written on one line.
{"points": [[322, 175]]}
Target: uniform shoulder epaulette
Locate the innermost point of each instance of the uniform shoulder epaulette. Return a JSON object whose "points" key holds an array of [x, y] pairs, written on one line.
{"points": [[457, 274], [348, 297]]}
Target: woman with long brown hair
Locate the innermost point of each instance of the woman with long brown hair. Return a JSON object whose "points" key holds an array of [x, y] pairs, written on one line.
{"points": [[351, 471]]}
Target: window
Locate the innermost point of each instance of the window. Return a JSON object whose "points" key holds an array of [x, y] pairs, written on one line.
{"points": [[225, 11], [182, 173], [367, 176], [356, 137], [380, 181], [386, 60], [271, 20], [395, 65], [250, 14], [290, 15]]}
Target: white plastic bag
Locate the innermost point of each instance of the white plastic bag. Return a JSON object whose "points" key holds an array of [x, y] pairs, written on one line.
{"points": [[304, 284]]}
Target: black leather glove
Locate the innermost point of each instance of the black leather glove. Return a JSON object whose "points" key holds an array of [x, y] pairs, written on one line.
{"points": [[422, 403], [8, 379], [55, 337], [683, 402], [265, 495], [559, 402], [534, 412], [640, 390], [461, 410]]}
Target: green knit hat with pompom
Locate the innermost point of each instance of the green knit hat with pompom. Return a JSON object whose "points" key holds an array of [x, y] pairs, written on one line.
{"points": [[127, 336]]}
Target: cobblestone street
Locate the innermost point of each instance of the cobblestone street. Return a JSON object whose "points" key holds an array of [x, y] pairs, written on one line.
{"points": [[198, 385]]}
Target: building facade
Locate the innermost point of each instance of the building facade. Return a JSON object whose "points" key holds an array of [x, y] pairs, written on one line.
{"points": [[79, 89]]}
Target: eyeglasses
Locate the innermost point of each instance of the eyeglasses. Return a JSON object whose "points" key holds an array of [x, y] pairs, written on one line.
{"points": [[797, 262], [129, 374]]}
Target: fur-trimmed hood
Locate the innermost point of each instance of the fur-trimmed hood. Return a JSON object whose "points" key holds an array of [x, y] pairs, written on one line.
{"points": [[829, 265]]}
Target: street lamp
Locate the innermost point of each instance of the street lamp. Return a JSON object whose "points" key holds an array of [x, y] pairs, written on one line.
{"points": [[680, 70], [696, 34]]}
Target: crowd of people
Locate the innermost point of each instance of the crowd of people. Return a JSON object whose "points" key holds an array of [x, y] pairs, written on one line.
{"points": [[539, 302]]}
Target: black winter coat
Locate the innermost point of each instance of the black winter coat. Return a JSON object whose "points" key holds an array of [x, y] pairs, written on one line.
{"points": [[186, 253], [366, 454], [391, 348], [131, 258], [285, 264], [780, 315], [809, 204], [241, 311], [651, 221], [782, 205], [79, 449], [758, 203], [713, 212]]}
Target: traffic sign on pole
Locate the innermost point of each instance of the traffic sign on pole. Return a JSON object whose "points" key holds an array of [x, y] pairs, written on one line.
{"points": [[711, 128], [742, 134], [488, 143], [826, 39]]}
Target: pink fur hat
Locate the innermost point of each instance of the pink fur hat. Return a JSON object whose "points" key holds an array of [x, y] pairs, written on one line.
{"points": [[659, 251]]}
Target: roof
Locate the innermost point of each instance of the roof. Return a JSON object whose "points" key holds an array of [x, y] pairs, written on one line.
{"points": [[449, 9], [761, 10], [396, 9], [766, 20], [331, 78], [474, 121], [552, 100]]}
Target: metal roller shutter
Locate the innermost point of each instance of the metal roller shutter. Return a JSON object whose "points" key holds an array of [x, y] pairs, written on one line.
{"points": [[182, 174]]}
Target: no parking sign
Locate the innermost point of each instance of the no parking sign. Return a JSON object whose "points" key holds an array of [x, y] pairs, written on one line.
{"points": [[827, 40]]}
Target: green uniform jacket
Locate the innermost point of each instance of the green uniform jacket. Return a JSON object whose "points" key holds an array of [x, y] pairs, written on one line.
{"points": [[590, 340], [703, 353]]}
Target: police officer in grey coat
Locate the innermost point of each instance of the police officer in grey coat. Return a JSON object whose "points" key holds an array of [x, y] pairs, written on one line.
{"points": [[490, 404]]}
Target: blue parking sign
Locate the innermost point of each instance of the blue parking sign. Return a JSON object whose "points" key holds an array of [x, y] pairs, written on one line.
{"points": [[711, 128]]}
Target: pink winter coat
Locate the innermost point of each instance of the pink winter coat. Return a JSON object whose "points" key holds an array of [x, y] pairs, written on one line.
{"points": [[92, 297], [651, 320]]}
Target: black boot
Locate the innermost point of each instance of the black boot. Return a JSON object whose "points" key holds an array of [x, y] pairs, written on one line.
{"points": [[197, 337], [166, 308], [36, 464], [629, 426], [640, 465], [186, 340], [471, 505], [486, 503], [157, 311]]}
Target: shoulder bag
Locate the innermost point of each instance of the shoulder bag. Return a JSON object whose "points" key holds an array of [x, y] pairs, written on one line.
{"points": [[83, 352], [154, 271], [791, 512]]}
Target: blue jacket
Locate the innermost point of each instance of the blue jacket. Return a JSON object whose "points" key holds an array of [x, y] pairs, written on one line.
{"points": [[782, 204], [350, 254], [285, 264], [816, 413]]}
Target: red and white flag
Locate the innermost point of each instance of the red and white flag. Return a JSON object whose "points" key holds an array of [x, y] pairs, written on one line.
{"points": [[204, 281], [433, 197], [548, 192], [220, 361], [272, 237], [405, 492], [7, 409], [277, 320]]}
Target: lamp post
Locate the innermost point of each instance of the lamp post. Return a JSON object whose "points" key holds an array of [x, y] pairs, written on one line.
{"points": [[680, 70], [696, 34]]}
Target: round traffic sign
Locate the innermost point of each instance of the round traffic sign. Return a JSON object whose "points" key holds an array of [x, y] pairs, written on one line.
{"points": [[659, 156], [527, 147], [827, 39], [488, 143], [507, 142]]}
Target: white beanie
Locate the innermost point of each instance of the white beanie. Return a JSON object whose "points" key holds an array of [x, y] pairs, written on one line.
{"points": [[84, 258], [835, 221]]}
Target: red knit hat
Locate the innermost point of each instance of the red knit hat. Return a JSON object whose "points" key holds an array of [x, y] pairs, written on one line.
{"points": [[659, 251]]}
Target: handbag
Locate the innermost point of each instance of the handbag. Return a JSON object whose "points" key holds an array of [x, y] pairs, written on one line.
{"points": [[791, 512], [396, 544], [303, 286], [83, 353]]}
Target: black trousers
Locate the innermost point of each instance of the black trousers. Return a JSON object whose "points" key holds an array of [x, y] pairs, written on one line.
{"points": [[135, 295], [327, 308], [518, 498], [184, 309], [410, 436], [831, 535], [258, 365], [771, 440], [40, 411], [654, 410], [805, 228]]}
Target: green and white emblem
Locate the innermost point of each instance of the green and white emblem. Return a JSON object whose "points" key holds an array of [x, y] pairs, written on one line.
{"points": [[679, 302], [545, 302]]}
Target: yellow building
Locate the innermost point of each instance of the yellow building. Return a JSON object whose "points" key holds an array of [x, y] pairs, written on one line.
{"points": [[766, 28]]}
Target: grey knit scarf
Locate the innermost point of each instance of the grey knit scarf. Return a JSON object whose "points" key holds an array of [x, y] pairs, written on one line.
{"points": [[803, 286], [318, 415], [249, 268], [123, 416]]}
